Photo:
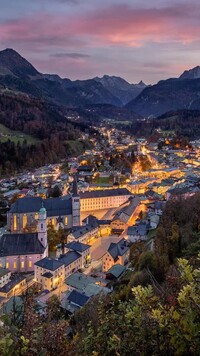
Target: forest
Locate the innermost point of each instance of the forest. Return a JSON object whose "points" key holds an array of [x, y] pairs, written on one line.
{"points": [[40, 120]]}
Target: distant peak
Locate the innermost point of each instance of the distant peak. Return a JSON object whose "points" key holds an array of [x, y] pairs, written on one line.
{"points": [[193, 73], [142, 83]]}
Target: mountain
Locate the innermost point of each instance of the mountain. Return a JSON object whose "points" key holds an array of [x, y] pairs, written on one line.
{"points": [[167, 95], [193, 73], [120, 88], [17, 74]]}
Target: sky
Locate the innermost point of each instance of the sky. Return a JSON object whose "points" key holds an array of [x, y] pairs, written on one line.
{"points": [[145, 40]]}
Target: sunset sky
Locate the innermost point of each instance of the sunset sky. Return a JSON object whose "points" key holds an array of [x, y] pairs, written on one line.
{"points": [[79, 39]]}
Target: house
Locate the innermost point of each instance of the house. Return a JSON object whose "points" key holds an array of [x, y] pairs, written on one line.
{"points": [[20, 251], [138, 232], [115, 272], [83, 234], [124, 215], [50, 273], [117, 253], [154, 221], [14, 285], [83, 249], [5, 275], [103, 225]]}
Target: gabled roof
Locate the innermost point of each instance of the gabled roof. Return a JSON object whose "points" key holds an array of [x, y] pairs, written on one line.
{"points": [[69, 257], [78, 298], [79, 231], [50, 264], [77, 246], [116, 270], [118, 249], [20, 244], [47, 275]]}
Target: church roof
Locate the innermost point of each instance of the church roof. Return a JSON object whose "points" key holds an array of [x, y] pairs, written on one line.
{"points": [[20, 244], [54, 206]]}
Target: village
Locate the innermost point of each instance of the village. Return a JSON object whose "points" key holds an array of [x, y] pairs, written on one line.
{"points": [[101, 204]]}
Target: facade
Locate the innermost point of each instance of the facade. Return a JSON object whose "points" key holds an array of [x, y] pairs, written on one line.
{"points": [[61, 212], [125, 216], [19, 252], [84, 234], [4, 276], [50, 273], [13, 286], [103, 199], [117, 253]]}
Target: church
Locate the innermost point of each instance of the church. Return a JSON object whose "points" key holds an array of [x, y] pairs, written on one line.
{"points": [[62, 212], [20, 251]]}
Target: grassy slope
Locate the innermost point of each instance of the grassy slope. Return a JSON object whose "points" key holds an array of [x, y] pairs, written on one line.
{"points": [[15, 136]]}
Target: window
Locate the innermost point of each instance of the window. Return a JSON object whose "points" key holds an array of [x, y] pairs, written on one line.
{"points": [[15, 265], [66, 220], [7, 265], [30, 264], [15, 222], [22, 264], [41, 226], [36, 216], [24, 222]]}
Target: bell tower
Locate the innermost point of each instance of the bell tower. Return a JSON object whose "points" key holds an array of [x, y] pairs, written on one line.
{"points": [[75, 204], [42, 228]]}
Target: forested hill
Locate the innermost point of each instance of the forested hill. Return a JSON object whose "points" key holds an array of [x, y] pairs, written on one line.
{"points": [[183, 122], [41, 121]]}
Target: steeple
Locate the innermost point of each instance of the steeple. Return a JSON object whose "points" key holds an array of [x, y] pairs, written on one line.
{"points": [[42, 227], [75, 203], [75, 186]]}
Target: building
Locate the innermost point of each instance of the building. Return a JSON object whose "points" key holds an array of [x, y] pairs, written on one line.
{"points": [[19, 252], [15, 285], [103, 199], [83, 249], [138, 232], [5, 275], [126, 215], [50, 273], [61, 212], [84, 234], [117, 253]]}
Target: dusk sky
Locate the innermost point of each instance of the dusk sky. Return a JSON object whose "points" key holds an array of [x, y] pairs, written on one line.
{"points": [[79, 39]]}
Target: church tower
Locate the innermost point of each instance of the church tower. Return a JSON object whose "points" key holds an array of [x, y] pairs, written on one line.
{"points": [[75, 204], [42, 228]]}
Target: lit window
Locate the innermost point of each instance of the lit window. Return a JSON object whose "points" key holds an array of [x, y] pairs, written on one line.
{"points": [[15, 265], [36, 216], [66, 220], [24, 220], [15, 222], [30, 264], [22, 264], [7, 265]]}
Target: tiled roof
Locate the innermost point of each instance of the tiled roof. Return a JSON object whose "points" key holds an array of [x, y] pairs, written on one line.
{"points": [[20, 244], [54, 206], [50, 264], [77, 246], [105, 193], [78, 298], [118, 249], [69, 257]]}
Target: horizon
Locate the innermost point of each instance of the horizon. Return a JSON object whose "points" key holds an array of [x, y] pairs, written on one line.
{"points": [[117, 38]]}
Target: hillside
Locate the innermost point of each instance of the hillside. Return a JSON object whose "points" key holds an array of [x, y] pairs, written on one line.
{"points": [[182, 122], [167, 95]]}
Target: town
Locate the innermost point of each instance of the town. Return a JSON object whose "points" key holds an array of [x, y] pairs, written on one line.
{"points": [[70, 229]]}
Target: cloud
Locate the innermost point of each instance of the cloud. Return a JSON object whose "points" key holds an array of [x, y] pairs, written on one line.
{"points": [[70, 55]]}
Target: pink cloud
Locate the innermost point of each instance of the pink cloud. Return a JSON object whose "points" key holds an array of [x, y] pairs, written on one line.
{"points": [[116, 25]]}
